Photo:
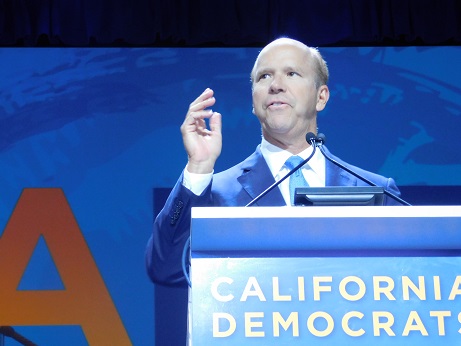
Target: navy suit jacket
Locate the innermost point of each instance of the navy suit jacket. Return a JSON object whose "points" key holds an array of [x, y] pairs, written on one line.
{"points": [[236, 186]]}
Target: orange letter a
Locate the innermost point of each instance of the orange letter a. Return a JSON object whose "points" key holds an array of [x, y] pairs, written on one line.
{"points": [[85, 300]]}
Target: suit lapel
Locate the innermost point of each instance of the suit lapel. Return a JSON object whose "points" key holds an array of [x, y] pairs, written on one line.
{"points": [[256, 178], [335, 176]]}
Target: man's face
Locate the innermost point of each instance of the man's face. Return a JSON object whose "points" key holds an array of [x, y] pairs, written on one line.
{"points": [[285, 99]]}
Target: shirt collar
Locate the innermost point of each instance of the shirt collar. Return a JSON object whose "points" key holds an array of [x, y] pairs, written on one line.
{"points": [[276, 157]]}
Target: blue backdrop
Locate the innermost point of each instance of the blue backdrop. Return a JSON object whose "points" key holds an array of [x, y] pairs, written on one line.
{"points": [[103, 125]]}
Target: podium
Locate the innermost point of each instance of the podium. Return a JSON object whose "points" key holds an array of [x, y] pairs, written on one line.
{"points": [[326, 276]]}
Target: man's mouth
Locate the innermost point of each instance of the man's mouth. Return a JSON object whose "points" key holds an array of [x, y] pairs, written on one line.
{"points": [[276, 104]]}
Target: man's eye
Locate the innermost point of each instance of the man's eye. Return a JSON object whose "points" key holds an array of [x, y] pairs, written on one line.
{"points": [[264, 76], [291, 74]]}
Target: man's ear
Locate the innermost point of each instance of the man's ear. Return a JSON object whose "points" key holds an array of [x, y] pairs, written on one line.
{"points": [[323, 95]]}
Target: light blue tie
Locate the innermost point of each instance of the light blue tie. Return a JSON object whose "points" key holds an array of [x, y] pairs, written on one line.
{"points": [[297, 178]]}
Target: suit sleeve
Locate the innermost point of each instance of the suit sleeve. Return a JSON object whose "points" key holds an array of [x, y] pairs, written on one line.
{"points": [[170, 232]]}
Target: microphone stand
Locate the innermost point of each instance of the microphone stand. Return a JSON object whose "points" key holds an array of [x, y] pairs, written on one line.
{"points": [[319, 143]]}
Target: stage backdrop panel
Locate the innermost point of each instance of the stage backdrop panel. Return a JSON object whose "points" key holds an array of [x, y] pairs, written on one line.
{"points": [[102, 127]]}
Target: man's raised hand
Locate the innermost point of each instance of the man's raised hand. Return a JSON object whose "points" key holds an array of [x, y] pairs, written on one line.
{"points": [[202, 143]]}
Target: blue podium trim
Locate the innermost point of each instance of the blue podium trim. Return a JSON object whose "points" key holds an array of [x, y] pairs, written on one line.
{"points": [[326, 229]]}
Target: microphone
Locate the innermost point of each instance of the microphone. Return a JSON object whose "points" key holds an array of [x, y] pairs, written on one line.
{"points": [[310, 137], [320, 140]]}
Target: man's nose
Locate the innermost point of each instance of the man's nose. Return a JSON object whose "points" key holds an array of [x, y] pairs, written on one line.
{"points": [[277, 85]]}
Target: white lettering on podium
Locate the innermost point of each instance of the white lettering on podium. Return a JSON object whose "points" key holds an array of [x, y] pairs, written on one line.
{"points": [[301, 290], [317, 280], [345, 323], [322, 323], [252, 288], [320, 333], [383, 287], [217, 317], [440, 320], [387, 290], [250, 324], [276, 296], [386, 325], [214, 289], [292, 320], [459, 320], [352, 297], [437, 291], [419, 290], [414, 323], [456, 289]]}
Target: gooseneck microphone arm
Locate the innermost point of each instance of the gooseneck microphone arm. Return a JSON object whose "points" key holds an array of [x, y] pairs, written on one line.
{"points": [[310, 137], [320, 140]]}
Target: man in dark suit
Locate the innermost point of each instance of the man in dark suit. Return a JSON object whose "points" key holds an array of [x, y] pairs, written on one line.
{"points": [[289, 87]]}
